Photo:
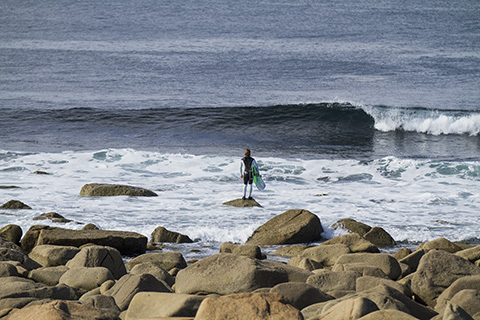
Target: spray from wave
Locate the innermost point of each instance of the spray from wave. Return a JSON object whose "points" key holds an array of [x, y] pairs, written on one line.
{"points": [[429, 121]]}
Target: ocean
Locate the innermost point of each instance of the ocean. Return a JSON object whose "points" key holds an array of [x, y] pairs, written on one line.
{"points": [[366, 110]]}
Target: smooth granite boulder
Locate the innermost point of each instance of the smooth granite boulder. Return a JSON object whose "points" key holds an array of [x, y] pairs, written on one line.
{"points": [[439, 244], [51, 255], [48, 275], [226, 273], [379, 237], [470, 254], [352, 226], [100, 256], [11, 252], [107, 190], [326, 255], [387, 263], [330, 280], [463, 283], [437, 270], [248, 250], [11, 232], [14, 204], [165, 260], [85, 278], [292, 226], [300, 295], [240, 203], [388, 314], [349, 309], [258, 306], [355, 242], [160, 234], [154, 270]]}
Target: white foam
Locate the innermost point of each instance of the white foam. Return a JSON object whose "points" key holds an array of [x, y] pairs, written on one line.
{"points": [[407, 198]]}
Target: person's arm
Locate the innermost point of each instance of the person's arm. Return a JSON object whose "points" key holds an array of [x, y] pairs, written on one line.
{"points": [[241, 169]]}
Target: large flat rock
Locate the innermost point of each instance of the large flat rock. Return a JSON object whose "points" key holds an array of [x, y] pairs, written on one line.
{"points": [[108, 190]]}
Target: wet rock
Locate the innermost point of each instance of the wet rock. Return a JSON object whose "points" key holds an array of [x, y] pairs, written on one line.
{"points": [[292, 226], [352, 226], [242, 203], [90, 226], [53, 216], [106, 190], [437, 270], [12, 233], [40, 172], [379, 237], [259, 306], [160, 234], [14, 204]]}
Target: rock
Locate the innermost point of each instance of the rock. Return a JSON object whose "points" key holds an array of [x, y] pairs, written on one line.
{"points": [[8, 270], [300, 295], [439, 244], [242, 203], [15, 287], [130, 284], [331, 280], [437, 270], [155, 271], [368, 282], [387, 263], [454, 312], [388, 314], [9, 187], [304, 263], [14, 204], [12, 233], [248, 250], [349, 309], [106, 190], [401, 253], [467, 282], [413, 259], [352, 226], [326, 255], [165, 260], [363, 268], [471, 254], [290, 251], [85, 278], [355, 242], [40, 172], [128, 243], [468, 300], [48, 275], [259, 306], [379, 237], [292, 226], [150, 305], [11, 252], [100, 301], [100, 256], [15, 303], [53, 216], [63, 310], [226, 273], [90, 226], [160, 234], [107, 285], [50, 255]]}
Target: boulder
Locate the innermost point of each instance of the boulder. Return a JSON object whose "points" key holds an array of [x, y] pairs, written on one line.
{"points": [[15, 287], [12, 233], [331, 280], [439, 244], [63, 310], [242, 203], [48, 275], [154, 270], [53, 216], [128, 243], [326, 255], [454, 312], [15, 303], [100, 301], [387, 263], [363, 268], [290, 251], [248, 250], [437, 270], [355, 242], [8, 270], [413, 259], [368, 282], [304, 263], [99, 256], [11, 252], [85, 278], [468, 300], [349, 309], [401, 253], [226, 273], [150, 305], [470, 254], [14, 204], [130, 284], [467, 282], [165, 260], [90, 226], [160, 234], [379, 237], [388, 314], [292, 226], [106, 190], [352, 226], [259, 306], [300, 295], [51, 255]]}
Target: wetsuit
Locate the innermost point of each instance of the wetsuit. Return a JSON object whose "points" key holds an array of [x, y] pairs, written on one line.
{"points": [[246, 172]]}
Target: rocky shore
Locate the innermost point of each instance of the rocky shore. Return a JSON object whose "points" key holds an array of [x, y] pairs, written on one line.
{"points": [[56, 273]]}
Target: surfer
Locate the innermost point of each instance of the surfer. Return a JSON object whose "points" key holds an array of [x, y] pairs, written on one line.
{"points": [[246, 173]]}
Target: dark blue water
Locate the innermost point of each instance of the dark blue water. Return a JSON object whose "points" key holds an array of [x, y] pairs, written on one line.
{"points": [[217, 76]]}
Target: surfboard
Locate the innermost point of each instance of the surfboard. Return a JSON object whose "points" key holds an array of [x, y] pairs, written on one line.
{"points": [[257, 178]]}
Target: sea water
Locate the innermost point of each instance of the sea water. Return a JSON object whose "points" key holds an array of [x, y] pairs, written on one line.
{"points": [[365, 110]]}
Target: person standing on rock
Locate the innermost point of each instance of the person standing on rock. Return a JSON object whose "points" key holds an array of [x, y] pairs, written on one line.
{"points": [[246, 173]]}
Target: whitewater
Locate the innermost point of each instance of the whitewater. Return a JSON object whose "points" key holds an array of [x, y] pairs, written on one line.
{"points": [[413, 200]]}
